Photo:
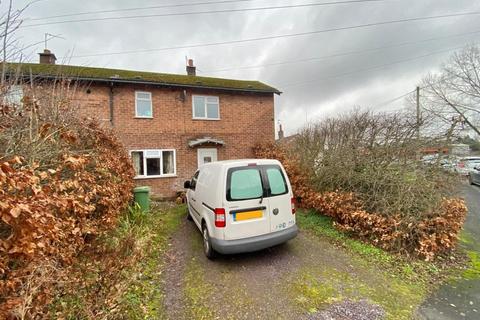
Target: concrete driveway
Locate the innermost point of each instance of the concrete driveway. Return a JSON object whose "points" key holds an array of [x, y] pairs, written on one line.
{"points": [[460, 299]]}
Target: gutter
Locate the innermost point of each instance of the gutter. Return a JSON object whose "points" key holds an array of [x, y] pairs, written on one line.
{"points": [[154, 83]]}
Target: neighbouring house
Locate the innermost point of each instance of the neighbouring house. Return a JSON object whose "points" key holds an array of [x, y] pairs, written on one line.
{"points": [[288, 141], [456, 149], [169, 123]]}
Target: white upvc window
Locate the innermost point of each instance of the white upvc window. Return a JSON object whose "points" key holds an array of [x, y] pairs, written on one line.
{"points": [[154, 163], [205, 107], [143, 104]]}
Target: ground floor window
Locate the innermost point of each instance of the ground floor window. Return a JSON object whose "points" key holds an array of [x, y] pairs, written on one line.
{"points": [[154, 163]]}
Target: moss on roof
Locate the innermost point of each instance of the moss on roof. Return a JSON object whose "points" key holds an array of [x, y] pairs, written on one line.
{"points": [[130, 76]]}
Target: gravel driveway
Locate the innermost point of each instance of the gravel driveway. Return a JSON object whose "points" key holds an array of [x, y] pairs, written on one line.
{"points": [[306, 278]]}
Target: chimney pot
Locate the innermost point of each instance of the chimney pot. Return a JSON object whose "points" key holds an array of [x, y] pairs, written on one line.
{"points": [[280, 133], [191, 69], [47, 57]]}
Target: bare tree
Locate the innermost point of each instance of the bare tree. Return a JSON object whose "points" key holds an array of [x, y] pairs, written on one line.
{"points": [[374, 155], [11, 49], [453, 95]]}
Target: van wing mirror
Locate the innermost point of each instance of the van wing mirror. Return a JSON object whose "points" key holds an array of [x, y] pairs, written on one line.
{"points": [[187, 184]]}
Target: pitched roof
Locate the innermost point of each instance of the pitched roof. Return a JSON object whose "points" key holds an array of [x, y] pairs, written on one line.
{"points": [[49, 71]]}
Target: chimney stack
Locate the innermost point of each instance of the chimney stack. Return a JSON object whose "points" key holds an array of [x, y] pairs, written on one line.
{"points": [[47, 57], [280, 133], [191, 70]]}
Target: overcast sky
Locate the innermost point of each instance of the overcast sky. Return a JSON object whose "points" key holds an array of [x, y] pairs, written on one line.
{"points": [[312, 89]]}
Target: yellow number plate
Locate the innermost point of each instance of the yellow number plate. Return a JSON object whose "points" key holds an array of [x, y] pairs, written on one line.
{"points": [[240, 216]]}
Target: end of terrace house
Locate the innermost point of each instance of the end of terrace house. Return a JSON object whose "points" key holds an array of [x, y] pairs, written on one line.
{"points": [[170, 124]]}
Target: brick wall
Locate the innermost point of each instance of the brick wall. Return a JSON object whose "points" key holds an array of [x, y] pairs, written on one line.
{"points": [[245, 120]]}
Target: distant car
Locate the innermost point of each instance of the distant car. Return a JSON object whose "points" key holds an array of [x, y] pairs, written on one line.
{"points": [[465, 165], [430, 158], [474, 175], [448, 163]]}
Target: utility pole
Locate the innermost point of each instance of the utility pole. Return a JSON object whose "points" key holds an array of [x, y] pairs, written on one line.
{"points": [[418, 113]]}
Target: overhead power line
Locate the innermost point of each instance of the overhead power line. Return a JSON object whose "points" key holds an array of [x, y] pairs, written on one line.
{"points": [[184, 5], [382, 104], [291, 35], [207, 12], [341, 54], [295, 84]]}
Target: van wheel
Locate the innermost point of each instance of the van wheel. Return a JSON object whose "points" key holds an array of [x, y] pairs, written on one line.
{"points": [[189, 216], [207, 243], [470, 181]]}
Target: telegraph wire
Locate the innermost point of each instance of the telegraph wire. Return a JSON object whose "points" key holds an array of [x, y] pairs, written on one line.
{"points": [[385, 103], [187, 5], [291, 35], [341, 54], [295, 84], [224, 11]]}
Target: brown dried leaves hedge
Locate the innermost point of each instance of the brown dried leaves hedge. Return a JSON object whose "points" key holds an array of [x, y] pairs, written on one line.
{"points": [[50, 209], [432, 234]]}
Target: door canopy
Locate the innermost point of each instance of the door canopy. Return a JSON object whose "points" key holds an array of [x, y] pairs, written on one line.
{"points": [[205, 140]]}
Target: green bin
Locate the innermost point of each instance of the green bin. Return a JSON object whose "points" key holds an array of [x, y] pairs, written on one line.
{"points": [[142, 197]]}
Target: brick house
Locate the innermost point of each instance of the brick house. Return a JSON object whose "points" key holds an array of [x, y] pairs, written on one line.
{"points": [[170, 124]]}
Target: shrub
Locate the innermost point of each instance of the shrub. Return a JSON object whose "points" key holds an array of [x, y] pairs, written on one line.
{"points": [[376, 156], [63, 180], [426, 235]]}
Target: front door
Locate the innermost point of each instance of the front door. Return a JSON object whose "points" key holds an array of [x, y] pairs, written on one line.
{"points": [[206, 155]]}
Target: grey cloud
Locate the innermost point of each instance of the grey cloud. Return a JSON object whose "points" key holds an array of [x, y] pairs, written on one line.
{"points": [[298, 104]]}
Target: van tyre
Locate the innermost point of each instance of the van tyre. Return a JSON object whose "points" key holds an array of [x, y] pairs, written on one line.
{"points": [[207, 243], [189, 216]]}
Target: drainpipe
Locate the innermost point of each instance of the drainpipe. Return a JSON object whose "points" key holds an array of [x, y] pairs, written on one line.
{"points": [[111, 103]]}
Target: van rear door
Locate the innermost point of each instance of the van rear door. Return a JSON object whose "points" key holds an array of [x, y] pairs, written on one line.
{"points": [[279, 198], [246, 203]]}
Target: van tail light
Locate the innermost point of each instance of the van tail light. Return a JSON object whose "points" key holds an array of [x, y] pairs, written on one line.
{"points": [[220, 219], [461, 165], [292, 201]]}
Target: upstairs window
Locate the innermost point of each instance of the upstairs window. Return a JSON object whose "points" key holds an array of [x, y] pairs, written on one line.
{"points": [[206, 108], [143, 104], [154, 163]]}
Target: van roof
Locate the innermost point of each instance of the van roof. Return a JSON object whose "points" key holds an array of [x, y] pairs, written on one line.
{"points": [[242, 162]]}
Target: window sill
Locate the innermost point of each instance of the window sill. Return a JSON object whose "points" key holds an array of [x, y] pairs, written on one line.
{"points": [[206, 119], [137, 117], [155, 177]]}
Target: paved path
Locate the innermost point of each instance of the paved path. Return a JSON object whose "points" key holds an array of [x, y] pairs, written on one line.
{"points": [[460, 300]]}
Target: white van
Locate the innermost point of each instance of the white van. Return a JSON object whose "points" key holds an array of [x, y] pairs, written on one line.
{"points": [[241, 205]]}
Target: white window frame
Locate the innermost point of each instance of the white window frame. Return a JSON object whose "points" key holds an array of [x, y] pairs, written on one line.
{"points": [[205, 106], [151, 104], [161, 175]]}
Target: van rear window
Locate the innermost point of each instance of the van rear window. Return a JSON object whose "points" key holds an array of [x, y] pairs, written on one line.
{"points": [[245, 184], [277, 182]]}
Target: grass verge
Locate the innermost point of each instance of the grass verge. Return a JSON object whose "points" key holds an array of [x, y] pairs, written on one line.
{"points": [[399, 287], [409, 269], [118, 276]]}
